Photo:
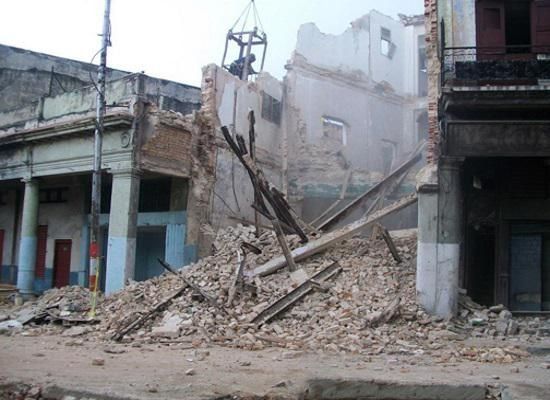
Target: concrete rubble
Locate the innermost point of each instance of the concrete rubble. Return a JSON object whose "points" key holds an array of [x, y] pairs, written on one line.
{"points": [[368, 309]]}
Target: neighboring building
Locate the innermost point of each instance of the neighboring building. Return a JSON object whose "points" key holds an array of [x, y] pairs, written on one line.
{"points": [[484, 200], [151, 200]]}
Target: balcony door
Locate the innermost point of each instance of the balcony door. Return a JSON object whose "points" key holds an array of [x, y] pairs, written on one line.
{"points": [[509, 28], [491, 28], [540, 26]]}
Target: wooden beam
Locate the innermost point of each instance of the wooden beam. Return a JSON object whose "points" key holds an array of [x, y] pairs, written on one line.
{"points": [[332, 238], [292, 297], [389, 242], [284, 245]]}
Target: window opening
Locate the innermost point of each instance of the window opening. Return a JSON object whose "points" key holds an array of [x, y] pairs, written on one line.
{"points": [[387, 48], [335, 129], [271, 109]]}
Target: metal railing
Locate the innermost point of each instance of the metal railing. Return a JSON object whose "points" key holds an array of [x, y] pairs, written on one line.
{"points": [[492, 64]]}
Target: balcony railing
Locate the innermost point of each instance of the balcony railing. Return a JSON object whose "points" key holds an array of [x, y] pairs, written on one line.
{"points": [[509, 65]]}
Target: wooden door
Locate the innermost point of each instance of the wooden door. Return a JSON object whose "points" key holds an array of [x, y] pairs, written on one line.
{"points": [[540, 26], [42, 239], [525, 272], [491, 29], [62, 263]]}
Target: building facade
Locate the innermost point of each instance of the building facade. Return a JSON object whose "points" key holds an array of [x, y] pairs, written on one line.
{"points": [[151, 199], [485, 195]]}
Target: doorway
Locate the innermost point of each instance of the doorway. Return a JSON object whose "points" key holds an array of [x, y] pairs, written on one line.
{"points": [[62, 263]]}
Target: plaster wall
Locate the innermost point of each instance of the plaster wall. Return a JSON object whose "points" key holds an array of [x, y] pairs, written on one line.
{"points": [[384, 68], [7, 215], [368, 117], [27, 75], [74, 154], [233, 192], [460, 22], [64, 220], [347, 52]]}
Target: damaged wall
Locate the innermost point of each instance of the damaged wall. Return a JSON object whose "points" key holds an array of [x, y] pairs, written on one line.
{"points": [[231, 102], [27, 75], [352, 102]]}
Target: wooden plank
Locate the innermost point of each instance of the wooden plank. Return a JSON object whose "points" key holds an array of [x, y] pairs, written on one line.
{"points": [[362, 199], [284, 245], [298, 293], [252, 144], [277, 202], [119, 334], [332, 238], [390, 243], [210, 299]]}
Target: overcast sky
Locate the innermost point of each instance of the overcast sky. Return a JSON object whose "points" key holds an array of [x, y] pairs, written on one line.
{"points": [[173, 39]]}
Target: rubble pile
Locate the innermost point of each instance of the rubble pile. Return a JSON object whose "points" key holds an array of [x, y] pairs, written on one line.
{"points": [[498, 322], [336, 319], [66, 306], [368, 308]]}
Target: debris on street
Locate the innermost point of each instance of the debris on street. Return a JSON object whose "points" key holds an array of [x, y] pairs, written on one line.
{"points": [[366, 304]]}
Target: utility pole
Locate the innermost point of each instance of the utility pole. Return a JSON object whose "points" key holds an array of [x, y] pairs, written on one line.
{"points": [[95, 253]]}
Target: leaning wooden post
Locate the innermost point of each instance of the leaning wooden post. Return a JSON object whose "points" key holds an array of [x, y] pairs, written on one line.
{"points": [[252, 144], [284, 245]]}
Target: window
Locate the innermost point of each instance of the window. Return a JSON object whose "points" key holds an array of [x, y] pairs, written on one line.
{"points": [[335, 130], [154, 195], [53, 195], [387, 48], [271, 109]]}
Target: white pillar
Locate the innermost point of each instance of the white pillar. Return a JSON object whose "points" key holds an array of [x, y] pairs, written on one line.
{"points": [[121, 250], [27, 246], [449, 238], [439, 237]]}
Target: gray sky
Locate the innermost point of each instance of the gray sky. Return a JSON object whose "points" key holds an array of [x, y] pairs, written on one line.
{"points": [[173, 39]]}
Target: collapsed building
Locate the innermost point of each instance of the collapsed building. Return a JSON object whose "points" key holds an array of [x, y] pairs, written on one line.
{"points": [[349, 110], [483, 198]]}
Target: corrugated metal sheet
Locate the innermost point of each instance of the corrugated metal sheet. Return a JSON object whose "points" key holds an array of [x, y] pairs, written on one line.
{"points": [[175, 244]]}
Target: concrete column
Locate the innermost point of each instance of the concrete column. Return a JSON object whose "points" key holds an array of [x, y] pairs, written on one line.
{"points": [[426, 263], [439, 237], [27, 246], [121, 250], [449, 237]]}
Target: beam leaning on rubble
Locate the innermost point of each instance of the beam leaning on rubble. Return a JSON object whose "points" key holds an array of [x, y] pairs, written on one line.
{"points": [[292, 297], [334, 237]]}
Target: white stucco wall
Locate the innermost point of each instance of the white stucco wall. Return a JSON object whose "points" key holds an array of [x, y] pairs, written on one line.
{"points": [[347, 52], [7, 215]]}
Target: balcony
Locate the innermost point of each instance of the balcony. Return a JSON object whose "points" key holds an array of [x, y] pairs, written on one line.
{"points": [[495, 66], [495, 102]]}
